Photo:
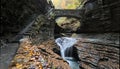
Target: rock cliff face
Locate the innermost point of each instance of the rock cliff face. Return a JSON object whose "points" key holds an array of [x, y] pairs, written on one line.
{"points": [[42, 29], [99, 51], [98, 47], [100, 16], [16, 14]]}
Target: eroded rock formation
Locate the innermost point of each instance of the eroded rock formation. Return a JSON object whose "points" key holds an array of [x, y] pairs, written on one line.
{"points": [[100, 16], [17, 14], [99, 51]]}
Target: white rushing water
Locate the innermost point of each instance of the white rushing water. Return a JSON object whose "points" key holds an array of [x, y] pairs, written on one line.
{"points": [[65, 43]]}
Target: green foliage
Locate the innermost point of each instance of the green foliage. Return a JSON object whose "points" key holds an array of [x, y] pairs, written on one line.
{"points": [[66, 4], [73, 4], [40, 20], [52, 15]]}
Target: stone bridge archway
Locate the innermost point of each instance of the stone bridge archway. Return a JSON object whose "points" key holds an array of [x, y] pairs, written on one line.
{"points": [[55, 13], [76, 13]]}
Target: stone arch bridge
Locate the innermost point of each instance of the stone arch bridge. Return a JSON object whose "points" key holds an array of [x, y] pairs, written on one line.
{"points": [[76, 13]]}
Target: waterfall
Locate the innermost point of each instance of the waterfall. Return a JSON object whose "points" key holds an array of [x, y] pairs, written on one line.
{"points": [[68, 51]]}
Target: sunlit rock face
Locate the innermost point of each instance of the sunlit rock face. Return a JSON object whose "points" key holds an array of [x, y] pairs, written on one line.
{"points": [[71, 24]]}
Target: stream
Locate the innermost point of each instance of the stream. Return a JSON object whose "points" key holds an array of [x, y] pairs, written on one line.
{"points": [[68, 51]]}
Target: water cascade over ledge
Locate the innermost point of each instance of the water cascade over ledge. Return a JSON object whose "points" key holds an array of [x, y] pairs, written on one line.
{"points": [[68, 51]]}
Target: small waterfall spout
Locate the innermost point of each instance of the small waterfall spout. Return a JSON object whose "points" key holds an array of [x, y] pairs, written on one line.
{"points": [[68, 51]]}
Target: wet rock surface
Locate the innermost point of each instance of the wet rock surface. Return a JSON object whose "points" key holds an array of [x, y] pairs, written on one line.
{"points": [[95, 51], [6, 54], [98, 55]]}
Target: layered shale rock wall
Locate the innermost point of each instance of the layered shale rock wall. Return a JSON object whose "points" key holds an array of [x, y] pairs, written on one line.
{"points": [[100, 16], [99, 51], [98, 46], [17, 14]]}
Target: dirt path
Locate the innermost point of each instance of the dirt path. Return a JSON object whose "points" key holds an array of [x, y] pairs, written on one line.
{"points": [[6, 54]]}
